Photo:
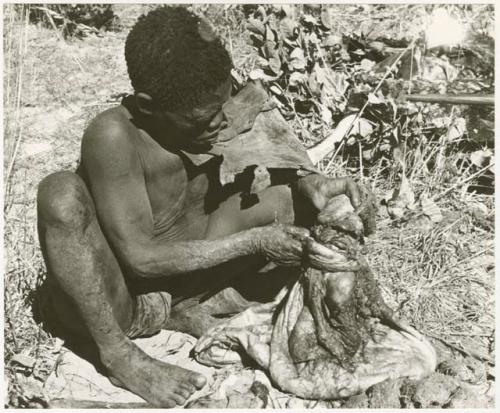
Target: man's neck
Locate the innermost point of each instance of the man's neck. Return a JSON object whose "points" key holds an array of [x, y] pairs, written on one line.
{"points": [[164, 134]]}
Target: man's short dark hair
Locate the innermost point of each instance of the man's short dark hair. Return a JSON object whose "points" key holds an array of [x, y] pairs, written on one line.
{"points": [[168, 59]]}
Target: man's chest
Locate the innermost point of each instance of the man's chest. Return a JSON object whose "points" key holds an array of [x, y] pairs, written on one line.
{"points": [[181, 195]]}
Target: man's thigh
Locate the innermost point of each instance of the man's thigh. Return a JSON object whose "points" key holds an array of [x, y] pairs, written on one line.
{"points": [[240, 212]]}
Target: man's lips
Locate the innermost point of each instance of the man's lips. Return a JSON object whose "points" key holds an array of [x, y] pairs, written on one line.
{"points": [[207, 140], [210, 137]]}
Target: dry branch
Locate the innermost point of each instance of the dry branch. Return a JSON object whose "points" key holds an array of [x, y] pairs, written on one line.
{"points": [[95, 404], [462, 182], [453, 99]]}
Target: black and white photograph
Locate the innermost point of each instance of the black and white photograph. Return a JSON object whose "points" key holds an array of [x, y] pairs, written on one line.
{"points": [[249, 206]]}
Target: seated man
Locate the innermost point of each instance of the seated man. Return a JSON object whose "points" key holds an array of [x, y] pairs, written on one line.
{"points": [[138, 229]]}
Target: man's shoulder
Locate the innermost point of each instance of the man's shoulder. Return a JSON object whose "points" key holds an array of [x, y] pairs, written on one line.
{"points": [[109, 141], [111, 125], [109, 132]]}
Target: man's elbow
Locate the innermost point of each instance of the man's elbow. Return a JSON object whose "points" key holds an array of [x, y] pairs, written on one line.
{"points": [[141, 263]]}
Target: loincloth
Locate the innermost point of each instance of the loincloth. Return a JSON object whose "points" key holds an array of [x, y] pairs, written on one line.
{"points": [[151, 313], [208, 297]]}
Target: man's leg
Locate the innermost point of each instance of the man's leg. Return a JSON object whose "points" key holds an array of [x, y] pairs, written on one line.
{"points": [[93, 294]]}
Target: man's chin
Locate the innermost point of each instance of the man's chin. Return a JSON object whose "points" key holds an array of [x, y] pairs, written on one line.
{"points": [[198, 147]]}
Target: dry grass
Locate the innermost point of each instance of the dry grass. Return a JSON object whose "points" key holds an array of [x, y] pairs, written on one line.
{"points": [[441, 276], [48, 100]]}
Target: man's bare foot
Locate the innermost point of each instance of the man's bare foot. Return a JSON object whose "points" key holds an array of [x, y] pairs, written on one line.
{"points": [[161, 384]]}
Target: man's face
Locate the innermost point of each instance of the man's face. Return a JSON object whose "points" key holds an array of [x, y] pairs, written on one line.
{"points": [[199, 127]]}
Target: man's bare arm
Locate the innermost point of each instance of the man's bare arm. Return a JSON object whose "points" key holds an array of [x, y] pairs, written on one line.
{"points": [[157, 259], [116, 178]]}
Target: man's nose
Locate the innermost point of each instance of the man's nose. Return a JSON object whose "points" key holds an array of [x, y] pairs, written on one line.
{"points": [[218, 121]]}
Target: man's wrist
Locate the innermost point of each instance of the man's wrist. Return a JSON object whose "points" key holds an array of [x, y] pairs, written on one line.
{"points": [[256, 236]]}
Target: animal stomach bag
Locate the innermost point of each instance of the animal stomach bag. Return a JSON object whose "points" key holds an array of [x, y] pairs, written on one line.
{"points": [[330, 335]]}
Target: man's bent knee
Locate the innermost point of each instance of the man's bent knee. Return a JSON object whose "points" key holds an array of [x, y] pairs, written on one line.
{"points": [[63, 199]]}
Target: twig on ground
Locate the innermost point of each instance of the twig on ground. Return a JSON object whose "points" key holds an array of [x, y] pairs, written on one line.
{"points": [[13, 334], [23, 47], [53, 24], [463, 351], [415, 214], [477, 254], [462, 182], [469, 334], [94, 404]]}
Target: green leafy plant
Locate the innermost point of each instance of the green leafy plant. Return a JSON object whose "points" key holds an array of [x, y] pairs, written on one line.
{"points": [[319, 76]]}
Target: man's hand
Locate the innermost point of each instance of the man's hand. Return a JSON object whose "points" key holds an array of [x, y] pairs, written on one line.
{"points": [[289, 245], [326, 259], [320, 189], [282, 244]]}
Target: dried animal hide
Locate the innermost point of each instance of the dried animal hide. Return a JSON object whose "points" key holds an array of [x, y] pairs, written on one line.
{"points": [[330, 335], [257, 138]]}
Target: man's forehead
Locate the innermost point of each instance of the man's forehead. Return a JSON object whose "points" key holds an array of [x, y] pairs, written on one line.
{"points": [[206, 112], [212, 104]]}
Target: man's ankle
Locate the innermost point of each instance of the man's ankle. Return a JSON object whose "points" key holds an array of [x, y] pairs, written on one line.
{"points": [[117, 353]]}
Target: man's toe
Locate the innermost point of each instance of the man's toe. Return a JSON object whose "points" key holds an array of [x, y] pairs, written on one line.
{"points": [[187, 386], [184, 392], [198, 381], [166, 403], [179, 400]]}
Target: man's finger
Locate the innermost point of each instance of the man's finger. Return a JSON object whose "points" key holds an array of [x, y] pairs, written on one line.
{"points": [[298, 232], [335, 209], [326, 259], [293, 249], [320, 263], [344, 185], [297, 248], [315, 248], [352, 191]]}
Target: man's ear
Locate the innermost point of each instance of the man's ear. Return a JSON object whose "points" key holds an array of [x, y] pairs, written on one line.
{"points": [[144, 103]]}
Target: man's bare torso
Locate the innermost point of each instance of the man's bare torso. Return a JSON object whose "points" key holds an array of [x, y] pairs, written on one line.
{"points": [[180, 201], [177, 191]]}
